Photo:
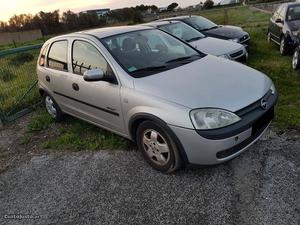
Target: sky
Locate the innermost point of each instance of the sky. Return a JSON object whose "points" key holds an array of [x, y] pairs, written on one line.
{"points": [[11, 7]]}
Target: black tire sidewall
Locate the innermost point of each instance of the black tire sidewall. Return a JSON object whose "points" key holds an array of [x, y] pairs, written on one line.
{"points": [[162, 130]]}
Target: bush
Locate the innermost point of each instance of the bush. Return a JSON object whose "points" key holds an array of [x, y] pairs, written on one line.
{"points": [[6, 75], [208, 4], [22, 58]]}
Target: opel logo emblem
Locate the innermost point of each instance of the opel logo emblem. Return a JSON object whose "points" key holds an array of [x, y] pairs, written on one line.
{"points": [[263, 104]]}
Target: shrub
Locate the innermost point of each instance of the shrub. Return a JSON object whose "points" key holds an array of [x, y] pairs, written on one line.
{"points": [[22, 58], [6, 75]]}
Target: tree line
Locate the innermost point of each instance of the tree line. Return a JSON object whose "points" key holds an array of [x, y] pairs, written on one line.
{"points": [[54, 22]]}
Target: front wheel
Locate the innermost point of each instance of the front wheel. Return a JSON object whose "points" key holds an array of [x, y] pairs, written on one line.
{"points": [[158, 148], [296, 59]]}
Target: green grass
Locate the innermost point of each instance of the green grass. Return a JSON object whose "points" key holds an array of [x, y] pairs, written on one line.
{"points": [[79, 135], [17, 74], [74, 134], [21, 44]]}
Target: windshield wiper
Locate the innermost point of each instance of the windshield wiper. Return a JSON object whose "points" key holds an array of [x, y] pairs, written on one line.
{"points": [[205, 29], [150, 68], [194, 39], [183, 58]]}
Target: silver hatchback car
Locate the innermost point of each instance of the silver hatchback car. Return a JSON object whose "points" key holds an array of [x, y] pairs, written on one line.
{"points": [[179, 105]]}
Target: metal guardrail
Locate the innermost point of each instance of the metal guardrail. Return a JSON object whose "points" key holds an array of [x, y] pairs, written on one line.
{"points": [[18, 92]]}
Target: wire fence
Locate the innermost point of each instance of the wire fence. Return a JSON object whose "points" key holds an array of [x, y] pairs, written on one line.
{"points": [[18, 91]]}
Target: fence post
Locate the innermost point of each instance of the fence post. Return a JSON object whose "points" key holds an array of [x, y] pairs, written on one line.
{"points": [[1, 124]]}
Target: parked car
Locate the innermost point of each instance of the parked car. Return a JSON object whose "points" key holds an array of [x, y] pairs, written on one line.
{"points": [[208, 45], [284, 26], [179, 105], [210, 29]]}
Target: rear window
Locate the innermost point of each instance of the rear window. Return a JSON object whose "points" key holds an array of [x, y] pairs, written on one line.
{"points": [[58, 56]]}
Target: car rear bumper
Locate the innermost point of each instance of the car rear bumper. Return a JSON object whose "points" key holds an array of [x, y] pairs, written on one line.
{"points": [[220, 145]]}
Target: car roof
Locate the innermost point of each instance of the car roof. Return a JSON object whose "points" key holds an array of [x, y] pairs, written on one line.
{"points": [[106, 32], [160, 23]]}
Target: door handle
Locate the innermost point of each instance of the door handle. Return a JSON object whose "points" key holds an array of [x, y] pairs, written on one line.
{"points": [[75, 87], [47, 78]]}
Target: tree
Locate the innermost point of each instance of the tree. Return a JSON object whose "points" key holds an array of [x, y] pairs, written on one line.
{"points": [[208, 4], [172, 6], [70, 20]]}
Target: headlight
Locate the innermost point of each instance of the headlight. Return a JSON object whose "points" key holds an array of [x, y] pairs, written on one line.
{"points": [[273, 89], [234, 40], [224, 56], [209, 118]]}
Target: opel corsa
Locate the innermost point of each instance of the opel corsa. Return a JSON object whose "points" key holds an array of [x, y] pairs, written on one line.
{"points": [[179, 105]]}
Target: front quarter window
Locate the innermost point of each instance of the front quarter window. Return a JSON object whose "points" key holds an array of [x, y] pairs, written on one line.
{"points": [[146, 52]]}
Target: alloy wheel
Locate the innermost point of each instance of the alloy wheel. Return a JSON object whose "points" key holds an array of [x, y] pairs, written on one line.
{"points": [[295, 59], [156, 147]]}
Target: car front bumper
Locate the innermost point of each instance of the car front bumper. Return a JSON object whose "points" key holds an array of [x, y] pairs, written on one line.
{"points": [[220, 145]]}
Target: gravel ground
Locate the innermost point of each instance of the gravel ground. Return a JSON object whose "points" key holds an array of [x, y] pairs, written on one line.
{"points": [[262, 186]]}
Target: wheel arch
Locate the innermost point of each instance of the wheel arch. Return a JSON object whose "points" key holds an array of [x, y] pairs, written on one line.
{"points": [[139, 118]]}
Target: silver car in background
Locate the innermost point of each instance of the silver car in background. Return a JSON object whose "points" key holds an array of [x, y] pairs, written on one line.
{"points": [[179, 105], [209, 45]]}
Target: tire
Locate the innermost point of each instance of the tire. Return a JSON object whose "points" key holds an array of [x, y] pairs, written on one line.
{"points": [[157, 146], [52, 108], [283, 46], [296, 59]]}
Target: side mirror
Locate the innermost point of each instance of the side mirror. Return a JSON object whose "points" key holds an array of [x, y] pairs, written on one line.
{"points": [[93, 75], [278, 20]]}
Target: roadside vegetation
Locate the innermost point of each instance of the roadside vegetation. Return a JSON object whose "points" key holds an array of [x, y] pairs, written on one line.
{"points": [[79, 135]]}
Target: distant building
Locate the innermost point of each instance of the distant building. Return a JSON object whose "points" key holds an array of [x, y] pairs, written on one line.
{"points": [[99, 12]]}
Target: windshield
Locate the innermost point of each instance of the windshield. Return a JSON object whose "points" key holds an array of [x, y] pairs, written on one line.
{"points": [[182, 31], [293, 13], [146, 52], [200, 23]]}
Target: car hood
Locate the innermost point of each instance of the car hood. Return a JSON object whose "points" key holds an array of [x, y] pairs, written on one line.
{"points": [[226, 32], [216, 46], [294, 25], [208, 82]]}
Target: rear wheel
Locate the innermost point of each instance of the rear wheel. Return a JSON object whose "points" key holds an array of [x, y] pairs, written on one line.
{"points": [[296, 59], [53, 108], [157, 146]]}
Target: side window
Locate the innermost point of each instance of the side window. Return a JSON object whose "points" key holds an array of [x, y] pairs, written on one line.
{"points": [[43, 56], [58, 56], [85, 57]]}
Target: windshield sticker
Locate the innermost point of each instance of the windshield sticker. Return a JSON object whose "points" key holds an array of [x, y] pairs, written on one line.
{"points": [[131, 69]]}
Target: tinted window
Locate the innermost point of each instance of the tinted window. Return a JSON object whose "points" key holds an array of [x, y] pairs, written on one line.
{"points": [[147, 52], [86, 57], [182, 31], [43, 56], [293, 13], [200, 23], [58, 56]]}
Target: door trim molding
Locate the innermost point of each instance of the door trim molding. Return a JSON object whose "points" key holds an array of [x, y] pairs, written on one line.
{"points": [[90, 105]]}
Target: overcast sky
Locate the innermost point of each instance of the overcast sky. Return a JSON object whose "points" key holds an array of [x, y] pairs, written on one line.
{"points": [[10, 7]]}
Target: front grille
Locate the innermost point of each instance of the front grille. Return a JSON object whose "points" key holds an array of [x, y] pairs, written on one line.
{"points": [[236, 54], [257, 128]]}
